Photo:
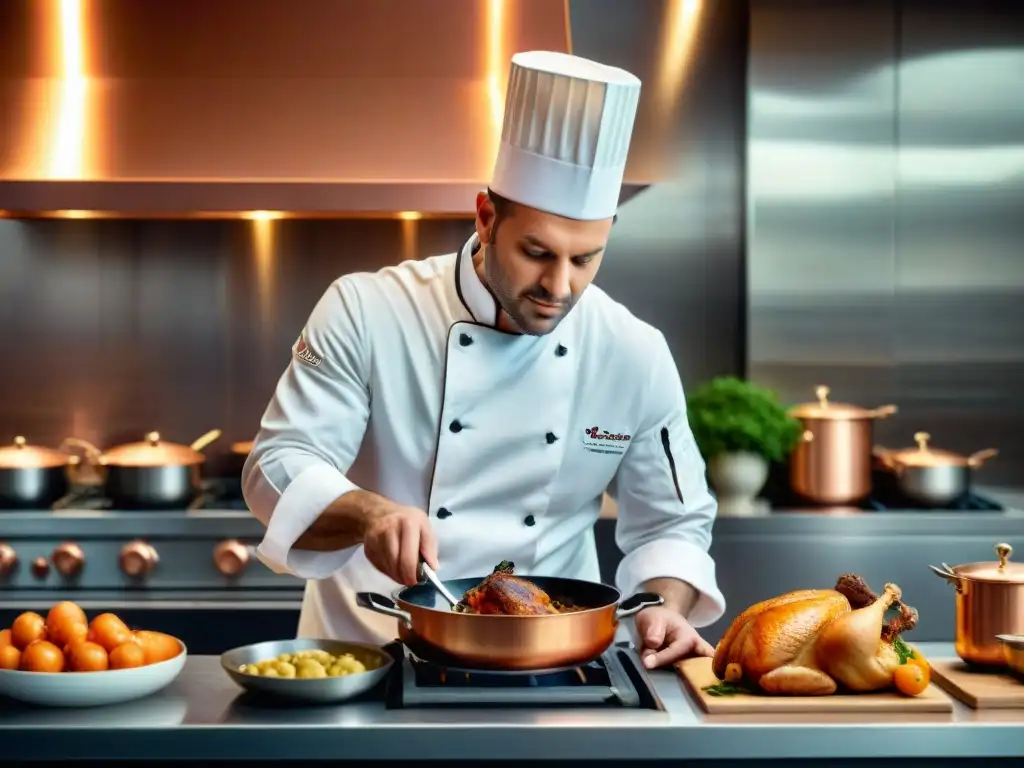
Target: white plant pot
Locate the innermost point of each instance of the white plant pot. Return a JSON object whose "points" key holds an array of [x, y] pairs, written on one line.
{"points": [[737, 479]]}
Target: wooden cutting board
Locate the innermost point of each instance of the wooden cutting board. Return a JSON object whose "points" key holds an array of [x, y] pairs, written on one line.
{"points": [[698, 675], [978, 690]]}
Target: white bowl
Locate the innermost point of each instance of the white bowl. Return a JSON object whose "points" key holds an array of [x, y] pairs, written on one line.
{"points": [[90, 689], [324, 690]]}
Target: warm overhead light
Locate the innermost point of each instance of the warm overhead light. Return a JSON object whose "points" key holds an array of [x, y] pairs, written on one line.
{"points": [[263, 215], [410, 215]]}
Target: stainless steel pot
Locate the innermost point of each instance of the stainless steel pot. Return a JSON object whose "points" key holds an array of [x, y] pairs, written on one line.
{"points": [[932, 477], [153, 473], [32, 476], [989, 602], [832, 462]]}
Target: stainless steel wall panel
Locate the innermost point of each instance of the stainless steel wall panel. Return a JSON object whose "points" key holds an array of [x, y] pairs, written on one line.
{"points": [[820, 178]]}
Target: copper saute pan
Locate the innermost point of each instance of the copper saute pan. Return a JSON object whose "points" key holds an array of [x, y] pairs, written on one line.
{"points": [[511, 643]]}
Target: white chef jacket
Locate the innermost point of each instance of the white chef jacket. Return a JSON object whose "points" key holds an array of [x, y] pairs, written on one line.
{"points": [[400, 384]]}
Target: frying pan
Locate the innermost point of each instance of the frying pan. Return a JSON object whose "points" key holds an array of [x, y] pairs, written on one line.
{"points": [[511, 643]]}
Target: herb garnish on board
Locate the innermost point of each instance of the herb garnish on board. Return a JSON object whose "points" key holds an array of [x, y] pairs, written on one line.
{"points": [[727, 689]]}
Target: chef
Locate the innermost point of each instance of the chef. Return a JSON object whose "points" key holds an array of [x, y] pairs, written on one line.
{"points": [[474, 407]]}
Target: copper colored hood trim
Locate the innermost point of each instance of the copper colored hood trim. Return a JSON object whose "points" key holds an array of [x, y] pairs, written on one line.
{"points": [[344, 106]]}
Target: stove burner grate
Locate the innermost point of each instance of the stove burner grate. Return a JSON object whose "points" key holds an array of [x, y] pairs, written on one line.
{"points": [[616, 679]]}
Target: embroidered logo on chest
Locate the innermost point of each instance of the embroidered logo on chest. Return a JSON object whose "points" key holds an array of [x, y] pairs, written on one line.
{"points": [[305, 354], [597, 440]]}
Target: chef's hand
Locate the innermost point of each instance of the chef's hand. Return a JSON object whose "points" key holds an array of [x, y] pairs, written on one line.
{"points": [[395, 540], [667, 637]]}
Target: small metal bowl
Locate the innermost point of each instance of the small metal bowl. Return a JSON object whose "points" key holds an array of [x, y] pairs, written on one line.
{"points": [[1013, 651], [323, 690]]}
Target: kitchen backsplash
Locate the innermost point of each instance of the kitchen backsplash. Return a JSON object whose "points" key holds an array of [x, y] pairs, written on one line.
{"points": [[115, 328]]}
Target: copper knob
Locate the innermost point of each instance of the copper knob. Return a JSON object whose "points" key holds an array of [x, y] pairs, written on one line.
{"points": [[138, 559], [68, 558], [8, 559], [231, 557], [40, 567]]}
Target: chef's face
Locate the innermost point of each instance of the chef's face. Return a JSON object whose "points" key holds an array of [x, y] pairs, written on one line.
{"points": [[537, 264]]}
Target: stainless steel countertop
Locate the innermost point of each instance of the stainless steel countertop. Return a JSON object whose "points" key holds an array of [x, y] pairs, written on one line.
{"points": [[201, 716]]}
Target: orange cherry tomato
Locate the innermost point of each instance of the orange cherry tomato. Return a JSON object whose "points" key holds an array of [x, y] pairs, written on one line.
{"points": [[157, 646], [127, 656], [10, 657], [920, 660], [66, 623], [84, 656], [42, 656], [5, 638], [911, 679], [26, 629], [109, 631]]}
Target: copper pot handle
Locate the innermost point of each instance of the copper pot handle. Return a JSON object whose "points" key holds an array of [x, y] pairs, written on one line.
{"points": [[203, 441], [882, 412], [383, 605], [978, 458], [885, 457], [92, 453], [948, 574]]}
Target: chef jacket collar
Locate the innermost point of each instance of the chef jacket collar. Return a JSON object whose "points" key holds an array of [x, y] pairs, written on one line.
{"points": [[475, 296]]}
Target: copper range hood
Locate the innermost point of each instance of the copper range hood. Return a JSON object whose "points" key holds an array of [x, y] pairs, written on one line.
{"points": [[315, 107]]}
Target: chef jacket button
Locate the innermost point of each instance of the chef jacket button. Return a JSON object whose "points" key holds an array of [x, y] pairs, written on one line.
{"points": [[442, 513], [530, 522], [560, 350], [465, 339], [455, 426], [551, 437]]}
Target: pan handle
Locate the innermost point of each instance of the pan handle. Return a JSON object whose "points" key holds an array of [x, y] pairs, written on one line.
{"points": [[631, 606], [384, 605]]}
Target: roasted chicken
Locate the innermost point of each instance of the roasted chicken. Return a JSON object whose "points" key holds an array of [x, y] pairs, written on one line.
{"points": [[813, 642], [503, 593]]}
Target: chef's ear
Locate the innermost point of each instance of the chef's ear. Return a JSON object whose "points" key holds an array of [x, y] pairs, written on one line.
{"points": [[486, 217]]}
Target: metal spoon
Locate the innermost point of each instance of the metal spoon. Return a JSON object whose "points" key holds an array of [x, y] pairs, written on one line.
{"points": [[426, 572]]}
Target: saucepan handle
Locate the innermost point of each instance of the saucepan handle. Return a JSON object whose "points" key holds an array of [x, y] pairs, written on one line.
{"points": [[949, 575], [631, 606], [384, 605]]}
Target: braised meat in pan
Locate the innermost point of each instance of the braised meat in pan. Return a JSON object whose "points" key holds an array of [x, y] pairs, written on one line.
{"points": [[502, 593]]}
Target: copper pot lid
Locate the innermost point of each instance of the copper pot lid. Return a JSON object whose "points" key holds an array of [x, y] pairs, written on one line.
{"points": [[926, 456], [1001, 571], [153, 452], [20, 455], [824, 409]]}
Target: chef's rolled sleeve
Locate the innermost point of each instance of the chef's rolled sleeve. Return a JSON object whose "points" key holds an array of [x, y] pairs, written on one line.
{"points": [[665, 509], [310, 435]]}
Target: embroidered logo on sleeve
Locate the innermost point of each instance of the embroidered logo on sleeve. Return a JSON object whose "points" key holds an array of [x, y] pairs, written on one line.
{"points": [[305, 354], [597, 440]]}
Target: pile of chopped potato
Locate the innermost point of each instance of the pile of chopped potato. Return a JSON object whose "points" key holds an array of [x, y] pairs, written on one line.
{"points": [[306, 665]]}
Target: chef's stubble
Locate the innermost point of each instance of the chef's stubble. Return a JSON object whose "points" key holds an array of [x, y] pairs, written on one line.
{"points": [[498, 283]]}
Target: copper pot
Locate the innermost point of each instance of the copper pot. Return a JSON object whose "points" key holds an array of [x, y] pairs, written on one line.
{"points": [[510, 643], [989, 602], [832, 462], [151, 473], [929, 476], [33, 476]]}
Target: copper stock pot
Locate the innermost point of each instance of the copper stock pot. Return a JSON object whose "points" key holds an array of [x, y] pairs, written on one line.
{"points": [[989, 602], [831, 463]]}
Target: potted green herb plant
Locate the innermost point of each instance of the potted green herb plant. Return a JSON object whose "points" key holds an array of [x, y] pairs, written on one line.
{"points": [[740, 429]]}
